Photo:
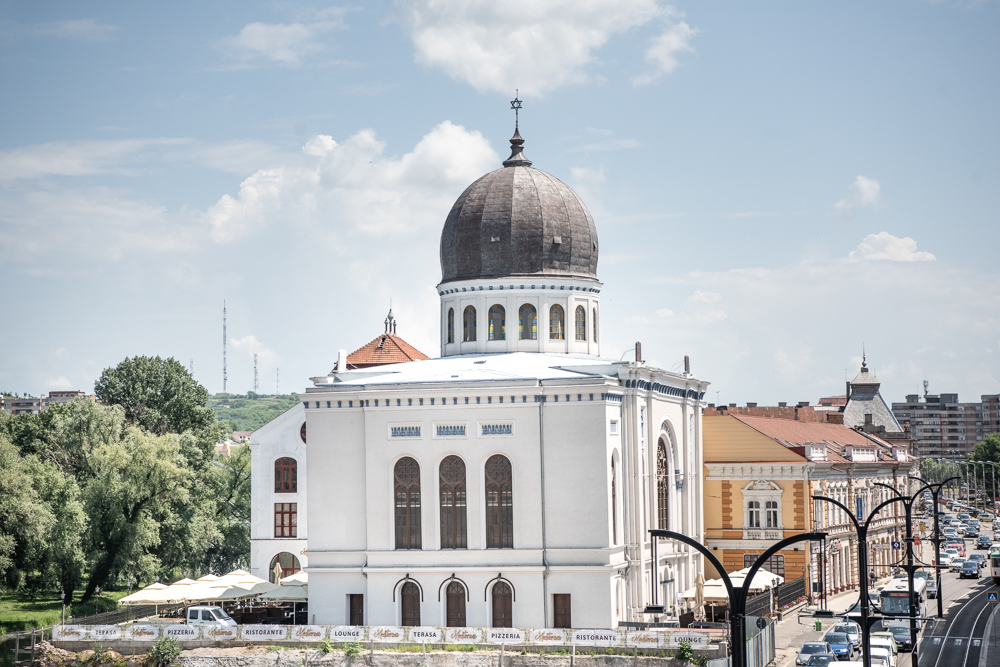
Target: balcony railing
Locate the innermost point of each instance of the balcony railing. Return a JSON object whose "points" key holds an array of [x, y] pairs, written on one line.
{"points": [[763, 534]]}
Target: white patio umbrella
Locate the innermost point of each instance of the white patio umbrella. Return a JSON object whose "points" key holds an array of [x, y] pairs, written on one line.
{"points": [[152, 594], [287, 593], [761, 581], [699, 596]]}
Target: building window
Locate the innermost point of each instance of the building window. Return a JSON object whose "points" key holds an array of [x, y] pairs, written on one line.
{"points": [[302, 431], [662, 486], [581, 323], [499, 504], [775, 564], [283, 565], [614, 504], [453, 504], [593, 325], [286, 478], [456, 605], [409, 597], [557, 323], [451, 325], [469, 325], [753, 514], [771, 513], [561, 607], [497, 323], [527, 323], [407, 478], [502, 605], [356, 601], [286, 520]]}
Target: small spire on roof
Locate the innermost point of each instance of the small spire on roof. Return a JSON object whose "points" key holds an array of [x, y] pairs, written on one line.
{"points": [[390, 321], [517, 158]]}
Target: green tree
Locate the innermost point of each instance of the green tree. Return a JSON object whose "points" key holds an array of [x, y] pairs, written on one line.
{"points": [[987, 449], [24, 517], [230, 489]]}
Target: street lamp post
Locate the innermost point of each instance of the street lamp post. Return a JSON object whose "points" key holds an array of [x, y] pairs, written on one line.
{"points": [[737, 596], [97, 595], [62, 598], [935, 491]]}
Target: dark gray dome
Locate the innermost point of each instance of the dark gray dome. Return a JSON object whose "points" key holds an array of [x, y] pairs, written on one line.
{"points": [[518, 221]]}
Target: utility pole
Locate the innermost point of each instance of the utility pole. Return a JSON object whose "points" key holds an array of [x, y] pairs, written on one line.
{"points": [[277, 382], [224, 378], [255, 386]]}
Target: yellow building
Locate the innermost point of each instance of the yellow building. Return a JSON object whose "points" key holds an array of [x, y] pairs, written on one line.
{"points": [[760, 476]]}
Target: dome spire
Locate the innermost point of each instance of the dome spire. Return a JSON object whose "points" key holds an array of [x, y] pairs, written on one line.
{"points": [[517, 158]]}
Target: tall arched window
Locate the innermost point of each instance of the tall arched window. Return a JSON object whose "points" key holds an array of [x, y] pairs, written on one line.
{"points": [[499, 504], [286, 475], [662, 486], [753, 514], [469, 324], [771, 514], [453, 504], [557, 323], [409, 598], [593, 325], [498, 323], [581, 323], [527, 323], [455, 604], [614, 504], [451, 325], [503, 605], [407, 478], [283, 565]]}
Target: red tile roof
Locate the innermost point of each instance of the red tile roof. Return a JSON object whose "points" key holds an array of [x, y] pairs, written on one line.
{"points": [[384, 349], [792, 433]]}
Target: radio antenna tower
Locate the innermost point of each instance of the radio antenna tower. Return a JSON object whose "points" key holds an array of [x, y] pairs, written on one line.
{"points": [[255, 387], [224, 378], [191, 368], [277, 382]]}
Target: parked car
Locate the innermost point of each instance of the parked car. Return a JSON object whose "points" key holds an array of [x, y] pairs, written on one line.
{"points": [[205, 615], [851, 629], [811, 648], [969, 570], [901, 633], [842, 647]]}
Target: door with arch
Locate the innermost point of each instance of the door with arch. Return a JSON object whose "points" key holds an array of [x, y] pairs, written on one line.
{"points": [[455, 604], [409, 596], [503, 603]]}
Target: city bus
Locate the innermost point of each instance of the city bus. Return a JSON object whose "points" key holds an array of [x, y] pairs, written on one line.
{"points": [[994, 565], [893, 599]]}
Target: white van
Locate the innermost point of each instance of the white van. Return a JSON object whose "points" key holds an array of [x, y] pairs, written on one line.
{"points": [[205, 615], [881, 656]]}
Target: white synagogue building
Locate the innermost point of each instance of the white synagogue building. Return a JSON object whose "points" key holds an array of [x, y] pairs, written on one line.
{"points": [[511, 482]]}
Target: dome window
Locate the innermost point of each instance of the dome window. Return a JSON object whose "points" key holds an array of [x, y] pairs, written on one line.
{"points": [[469, 325], [451, 325], [557, 323], [527, 325], [593, 324], [497, 322], [581, 323]]}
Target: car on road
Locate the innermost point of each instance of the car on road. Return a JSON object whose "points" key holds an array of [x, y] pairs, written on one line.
{"points": [[946, 558], [881, 657], [929, 581], [811, 648], [983, 542], [970, 570], [821, 659], [979, 559], [901, 633], [884, 639], [963, 516], [842, 646], [956, 564], [851, 629]]}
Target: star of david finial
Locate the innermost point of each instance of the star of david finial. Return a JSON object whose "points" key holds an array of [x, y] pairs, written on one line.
{"points": [[515, 104]]}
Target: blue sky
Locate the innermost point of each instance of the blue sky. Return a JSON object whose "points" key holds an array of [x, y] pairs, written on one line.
{"points": [[774, 184]]}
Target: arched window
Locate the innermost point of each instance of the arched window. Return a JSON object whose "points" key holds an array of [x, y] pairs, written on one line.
{"points": [[409, 597], [453, 504], [753, 514], [581, 323], [502, 605], [407, 478], [499, 504], [455, 604], [593, 325], [286, 476], [662, 486], [771, 513], [451, 325], [498, 323], [557, 323], [527, 323], [469, 324], [614, 504], [283, 565]]}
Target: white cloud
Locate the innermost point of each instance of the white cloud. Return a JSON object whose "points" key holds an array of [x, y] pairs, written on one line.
{"points": [[73, 158], [60, 382], [664, 312], [249, 346], [368, 192], [662, 55], [526, 44], [704, 297], [864, 192], [285, 44], [86, 30], [886, 246]]}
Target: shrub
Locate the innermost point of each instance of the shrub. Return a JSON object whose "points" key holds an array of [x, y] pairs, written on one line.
{"points": [[353, 649], [326, 646], [164, 651], [685, 652]]}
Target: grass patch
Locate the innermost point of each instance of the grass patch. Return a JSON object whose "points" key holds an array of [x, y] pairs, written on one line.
{"points": [[24, 611]]}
